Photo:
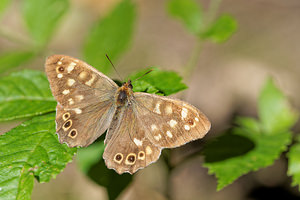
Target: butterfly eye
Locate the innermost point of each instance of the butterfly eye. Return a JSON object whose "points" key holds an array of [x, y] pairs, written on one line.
{"points": [[61, 69], [130, 160], [67, 125], [118, 158], [73, 133], [141, 155], [66, 116]]}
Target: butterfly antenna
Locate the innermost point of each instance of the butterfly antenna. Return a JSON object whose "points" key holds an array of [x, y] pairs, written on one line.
{"points": [[114, 67], [144, 74]]}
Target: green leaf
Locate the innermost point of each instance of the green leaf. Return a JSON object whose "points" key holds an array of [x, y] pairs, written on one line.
{"points": [[227, 168], [13, 59], [91, 163], [24, 94], [270, 137], [294, 163], [275, 112], [108, 178], [227, 146], [221, 30], [89, 156], [27, 151], [157, 81], [111, 35], [42, 17], [188, 12], [3, 5]]}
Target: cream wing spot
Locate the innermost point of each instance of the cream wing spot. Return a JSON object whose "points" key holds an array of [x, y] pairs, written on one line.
{"points": [[184, 113], [90, 82], [71, 101], [168, 110], [196, 118], [71, 82], [138, 142], [156, 109], [59, 75], [141, 155], [153, 127], [187, 127], [169, 134], [71, 67], [148, 150], [192, 123], [79, 97], [78, 110], [157, 137], [83, 75], [172, 123], [65, 92], [59, 62]]}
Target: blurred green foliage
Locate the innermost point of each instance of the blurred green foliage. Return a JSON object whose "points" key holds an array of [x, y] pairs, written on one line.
{"points": [[111, 35], [32, 149], [294, 163], [3, 5], [9, 60], [42, 18], [188, 12], [198, 21]]}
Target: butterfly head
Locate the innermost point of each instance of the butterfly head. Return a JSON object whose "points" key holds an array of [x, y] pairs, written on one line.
{"points": [[127, 84]]}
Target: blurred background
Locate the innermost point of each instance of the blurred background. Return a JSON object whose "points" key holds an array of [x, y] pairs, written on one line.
{"points": [[225, 83]]}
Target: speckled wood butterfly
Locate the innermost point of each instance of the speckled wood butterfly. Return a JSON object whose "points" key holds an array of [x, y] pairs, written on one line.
{"points": [[139, 125]]}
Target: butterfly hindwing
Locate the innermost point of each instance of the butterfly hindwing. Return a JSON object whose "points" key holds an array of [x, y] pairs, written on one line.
{"points": [[85, 99], [170, 122], [127, 147]]}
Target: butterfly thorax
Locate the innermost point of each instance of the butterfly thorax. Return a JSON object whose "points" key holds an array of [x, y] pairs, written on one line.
{"points": [[124, 93]]}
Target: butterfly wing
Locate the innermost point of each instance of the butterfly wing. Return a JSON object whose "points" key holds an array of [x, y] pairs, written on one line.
{"points": [[85, 99], [127, 147], [170, 122]]}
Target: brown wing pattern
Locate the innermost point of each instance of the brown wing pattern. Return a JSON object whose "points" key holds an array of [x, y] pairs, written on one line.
{"points": [[170, 122], [128, 149], [85, 99]]}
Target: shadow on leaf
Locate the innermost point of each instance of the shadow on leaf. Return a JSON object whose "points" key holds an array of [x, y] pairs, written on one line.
{"points": [[227, 146], [108, 178]]}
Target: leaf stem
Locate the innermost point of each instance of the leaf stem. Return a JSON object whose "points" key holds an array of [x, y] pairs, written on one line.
{"points": [[195, 55], [212, 11], [193, 60]]}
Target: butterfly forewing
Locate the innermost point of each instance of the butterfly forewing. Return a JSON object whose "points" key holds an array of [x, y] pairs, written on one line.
{"points": [[85, 99], [128, 148], [170, 122], [77, 80]]}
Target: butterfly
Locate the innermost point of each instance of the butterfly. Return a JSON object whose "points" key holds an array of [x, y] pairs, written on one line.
{"points": [[139, 125]]}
